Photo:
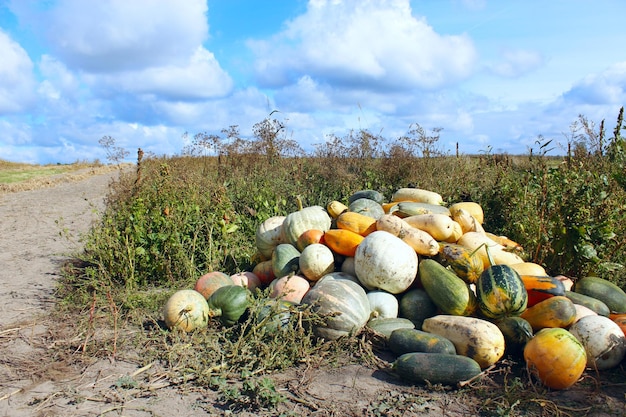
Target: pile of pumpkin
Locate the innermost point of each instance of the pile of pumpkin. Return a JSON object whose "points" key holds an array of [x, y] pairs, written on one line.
{"points": [[448, 297]]}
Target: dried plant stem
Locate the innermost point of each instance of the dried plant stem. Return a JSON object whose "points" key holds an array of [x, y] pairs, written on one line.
{"points": [[9, 395], [115, 314], [90, 327]]}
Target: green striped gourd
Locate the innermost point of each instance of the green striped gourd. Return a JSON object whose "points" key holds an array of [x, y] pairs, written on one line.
{"points": [[500, 292]]}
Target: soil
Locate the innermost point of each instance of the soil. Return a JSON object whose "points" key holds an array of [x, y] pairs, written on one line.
{"points": [[39, 231]]}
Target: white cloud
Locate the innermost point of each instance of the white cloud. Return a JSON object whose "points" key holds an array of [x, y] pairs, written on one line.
{"points": [[58, 81], [607, 87], [14, 133], [516, 62], [132, 54], [117, 35], [358, 43], [201, 77], [304, 95], [17, 82]]}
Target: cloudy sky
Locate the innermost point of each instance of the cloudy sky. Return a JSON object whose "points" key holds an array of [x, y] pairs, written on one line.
{"points": [[493, 74]]}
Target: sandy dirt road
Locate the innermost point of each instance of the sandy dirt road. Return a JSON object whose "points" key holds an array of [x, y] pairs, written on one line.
{"points": [[39, 229]]}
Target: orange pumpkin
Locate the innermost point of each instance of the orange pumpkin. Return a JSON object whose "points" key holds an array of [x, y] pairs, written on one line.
{"points": [[265, 271], [341, 241], [309, 237], [356, 222], [210, 282], [556, 357]]}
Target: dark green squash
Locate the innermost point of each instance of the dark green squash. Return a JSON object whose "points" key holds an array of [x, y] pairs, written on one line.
{"points": [[591, 303], [403, 341], [374, 195], [449, 292], [275, 315], [367, 207], [285, 260], [607, 292], [416, 305], [501, 292], [516, 331], [228, 303], [435, 368], [387, 325]]}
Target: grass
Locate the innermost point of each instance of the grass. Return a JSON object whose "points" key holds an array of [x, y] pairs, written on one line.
{"points": [[16, 177], [14, 172]]}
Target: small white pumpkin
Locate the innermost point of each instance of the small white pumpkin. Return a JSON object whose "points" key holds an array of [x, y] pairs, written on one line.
{"points": [[382, 304], [347, 266], [186, 310], [603, 340], [383, 261], [269, 234], [316, 260], [582, 311], [567, 282]]}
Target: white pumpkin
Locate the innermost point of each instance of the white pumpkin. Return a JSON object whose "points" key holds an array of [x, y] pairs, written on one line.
{"points": [[269, 234], [343, 275], [603, 340], [341, 303], [347, 266], [316, 260], [186, 310], [298, 222], [582, 311], [383, 261], [382, 304]]}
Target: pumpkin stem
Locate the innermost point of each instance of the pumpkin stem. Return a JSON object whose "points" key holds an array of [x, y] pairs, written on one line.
{"points": [[491, 262], [215, 312]]}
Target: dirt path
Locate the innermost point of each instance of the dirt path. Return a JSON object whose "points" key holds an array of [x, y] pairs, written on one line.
{"points": [[38, 229]]}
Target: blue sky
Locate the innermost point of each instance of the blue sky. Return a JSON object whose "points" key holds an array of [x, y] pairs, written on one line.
{"points": [[493, 74]]}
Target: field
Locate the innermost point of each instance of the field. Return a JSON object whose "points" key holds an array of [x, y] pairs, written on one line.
{"points": [[168, 220], [22, 177]]}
